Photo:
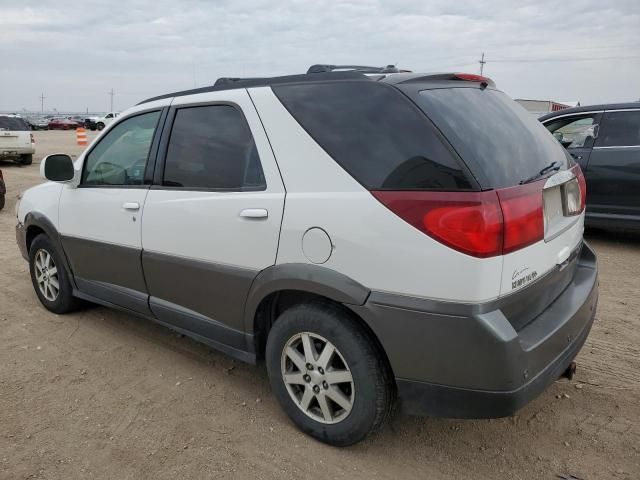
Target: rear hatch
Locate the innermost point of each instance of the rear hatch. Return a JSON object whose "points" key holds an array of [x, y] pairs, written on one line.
{"points": [[537, 183], [15, 134]]}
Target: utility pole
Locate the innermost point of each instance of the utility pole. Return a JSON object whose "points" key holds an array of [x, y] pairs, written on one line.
{"points": [[112, 94], [42, 97], [482, 62]]}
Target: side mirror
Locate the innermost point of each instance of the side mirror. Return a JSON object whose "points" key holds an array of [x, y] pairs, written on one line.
{"points": [[57, 168]]}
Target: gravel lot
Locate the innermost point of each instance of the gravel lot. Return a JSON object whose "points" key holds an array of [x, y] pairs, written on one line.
{"points": [[101, 394]]}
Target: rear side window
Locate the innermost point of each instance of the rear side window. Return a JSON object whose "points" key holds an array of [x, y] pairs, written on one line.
{"points": [[211, 147], [495, 136], [620, 129], [376, 134], [13, 124], [575, 132]]}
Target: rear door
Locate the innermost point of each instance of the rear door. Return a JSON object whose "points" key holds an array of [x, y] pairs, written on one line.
{"points": [[212, 218], [613, 180], [577, 134]]}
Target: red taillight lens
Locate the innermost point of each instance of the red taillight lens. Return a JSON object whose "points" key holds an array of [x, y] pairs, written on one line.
{"points": [[523, 215], [481, 224], [583, 186], [470, 222], [471, 77]]}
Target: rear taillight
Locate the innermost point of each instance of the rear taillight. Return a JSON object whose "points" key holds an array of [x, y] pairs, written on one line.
{"points": [[583, 186], [523, 215], [481, 224]]}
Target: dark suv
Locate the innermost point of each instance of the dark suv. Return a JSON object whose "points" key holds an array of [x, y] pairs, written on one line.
{"points": [[605, 141]]}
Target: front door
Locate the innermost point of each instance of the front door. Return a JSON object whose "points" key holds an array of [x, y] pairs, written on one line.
{"points": [[100, 219], [577, 134], [212, 218], [614, 168]]}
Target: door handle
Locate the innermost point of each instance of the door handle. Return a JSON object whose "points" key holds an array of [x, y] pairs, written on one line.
{"points": [[131, 206], [254, 213]]}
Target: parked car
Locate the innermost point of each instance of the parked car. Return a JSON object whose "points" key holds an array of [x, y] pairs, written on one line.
{"points": [[37, 123], [63, 124], [90, 123], [416, 258], [3, 190], [16, 140], [102, 122], [605, 141]]}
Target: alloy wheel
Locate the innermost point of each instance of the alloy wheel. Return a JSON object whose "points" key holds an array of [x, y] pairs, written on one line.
{"points": [[317, 378], [47, 275]]}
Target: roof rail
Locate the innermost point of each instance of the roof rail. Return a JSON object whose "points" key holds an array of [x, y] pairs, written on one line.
{"points": [[320, 68], [230, 83]]}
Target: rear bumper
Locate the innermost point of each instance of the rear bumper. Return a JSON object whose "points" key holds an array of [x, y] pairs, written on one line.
{"points": [[10, 151], [468, 361]]}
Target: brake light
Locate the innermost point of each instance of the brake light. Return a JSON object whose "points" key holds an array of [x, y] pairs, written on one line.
{"points": [[471, 77], [523, 215], [582, 184], [480, 224]]}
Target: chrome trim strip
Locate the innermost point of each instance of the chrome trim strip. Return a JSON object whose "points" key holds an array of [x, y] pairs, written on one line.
{"points": [[616, 146], [571, 115]]}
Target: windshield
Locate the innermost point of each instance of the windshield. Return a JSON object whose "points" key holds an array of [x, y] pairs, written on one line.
{"points": [[14, 124], [496, 137]]}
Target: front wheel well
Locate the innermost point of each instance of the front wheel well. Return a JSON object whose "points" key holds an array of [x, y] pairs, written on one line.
{"points": [[274, 304], [32, 232]]}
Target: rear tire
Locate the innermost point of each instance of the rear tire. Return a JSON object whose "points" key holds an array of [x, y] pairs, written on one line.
{"points": [[2, 200], [356, 374], [100, 126], [49, 277], [25, 159]]}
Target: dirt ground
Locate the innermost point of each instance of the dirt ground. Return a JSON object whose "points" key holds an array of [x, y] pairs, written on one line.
{"points": [[101, 394]]}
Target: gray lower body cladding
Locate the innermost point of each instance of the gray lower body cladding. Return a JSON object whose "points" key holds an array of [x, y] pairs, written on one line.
{"points": [[477, 364]]}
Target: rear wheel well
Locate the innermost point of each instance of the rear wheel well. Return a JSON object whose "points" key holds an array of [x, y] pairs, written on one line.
{"points": [[274, 304]]}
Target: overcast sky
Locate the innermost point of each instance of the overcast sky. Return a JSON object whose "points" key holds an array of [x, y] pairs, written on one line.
{"points": [[75, 52]]}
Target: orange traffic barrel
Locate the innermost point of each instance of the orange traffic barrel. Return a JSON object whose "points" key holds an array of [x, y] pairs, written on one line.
{"points": [[81, 136]]}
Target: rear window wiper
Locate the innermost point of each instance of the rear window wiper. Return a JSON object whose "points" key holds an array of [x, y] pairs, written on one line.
{"points": [[553, 166]]}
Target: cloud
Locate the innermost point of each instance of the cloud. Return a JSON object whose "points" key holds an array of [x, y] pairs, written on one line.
{"points": [[75, 53]]}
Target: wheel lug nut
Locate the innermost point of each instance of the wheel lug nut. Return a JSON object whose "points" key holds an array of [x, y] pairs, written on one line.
{"points": [[316, 388], [307, 378], [320, 369], [309, 366], [325, 385]]}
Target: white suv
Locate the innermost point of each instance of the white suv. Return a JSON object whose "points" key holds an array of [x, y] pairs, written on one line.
{"points": [[16, 140], [374, 238]]}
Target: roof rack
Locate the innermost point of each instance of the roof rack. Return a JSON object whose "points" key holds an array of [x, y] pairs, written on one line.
{"points": [[319, 68], [229, 83]]}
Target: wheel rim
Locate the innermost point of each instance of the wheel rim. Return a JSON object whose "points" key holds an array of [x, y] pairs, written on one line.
{"points": [[317, 378], [47, 275]]}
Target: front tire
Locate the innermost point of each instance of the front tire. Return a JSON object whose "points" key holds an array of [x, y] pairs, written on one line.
{"points": [[328, 374], [25, 159], [49, 277]]}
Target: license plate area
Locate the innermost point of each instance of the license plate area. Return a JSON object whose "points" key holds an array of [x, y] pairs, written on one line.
{"points": [[561, 199]]}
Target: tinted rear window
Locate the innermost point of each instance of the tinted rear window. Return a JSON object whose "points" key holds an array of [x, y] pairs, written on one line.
{"points": [[620, 129], [376, 134], [497, 138], [14, 124]]}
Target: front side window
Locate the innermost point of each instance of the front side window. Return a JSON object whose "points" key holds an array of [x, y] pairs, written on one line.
{"points": [[620, 129], [211, 147], [121, 156], [575, 132]]}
